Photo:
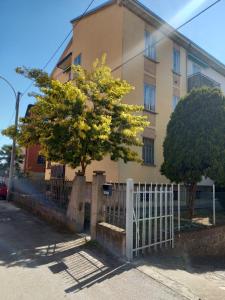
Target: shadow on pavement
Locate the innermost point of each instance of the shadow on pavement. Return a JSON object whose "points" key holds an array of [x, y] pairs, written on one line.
{"points": [[173, 260], [26, 241]]}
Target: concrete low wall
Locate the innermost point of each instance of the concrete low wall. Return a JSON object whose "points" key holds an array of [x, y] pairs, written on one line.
{"points": [[49, 214], [202, 242], [209, 241], [111, 238]]}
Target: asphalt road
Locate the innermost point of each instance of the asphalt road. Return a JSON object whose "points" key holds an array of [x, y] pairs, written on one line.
{"points": [[37, 262]]}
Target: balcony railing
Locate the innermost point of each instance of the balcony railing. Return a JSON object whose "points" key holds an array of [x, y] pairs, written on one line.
{"points": [[198, 80]]}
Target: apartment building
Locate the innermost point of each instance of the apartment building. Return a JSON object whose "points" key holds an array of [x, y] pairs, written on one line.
{"points": [[162, 65]]}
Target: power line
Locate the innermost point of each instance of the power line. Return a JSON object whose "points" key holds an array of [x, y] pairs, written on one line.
{"points": [[198, 14], [174, 30], [62, 43], [133, 57], [60, 46]]}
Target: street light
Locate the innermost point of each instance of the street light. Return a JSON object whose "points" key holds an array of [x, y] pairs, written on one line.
{"points": [[13, 153]]}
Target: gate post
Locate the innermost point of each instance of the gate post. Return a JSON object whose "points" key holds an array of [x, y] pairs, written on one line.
{"points": [[172, 203], [178, 206], [97, 201], [75, 210], [214, 205], [129, 218]]}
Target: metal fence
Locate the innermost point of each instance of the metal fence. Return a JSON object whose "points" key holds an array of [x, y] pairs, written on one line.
{"points": [[58, 191], [159, 211], [114, 209], [149, 218], [54, 192]]}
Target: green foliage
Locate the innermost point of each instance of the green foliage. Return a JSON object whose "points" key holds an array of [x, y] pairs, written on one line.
{"points": [[84, 119], [41, 78], [195, 143], [5, 157], [10, 132]]}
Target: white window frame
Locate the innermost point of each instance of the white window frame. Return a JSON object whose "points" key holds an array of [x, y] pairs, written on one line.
{"points": [[150, 45], [149, 97], [176, 60]]}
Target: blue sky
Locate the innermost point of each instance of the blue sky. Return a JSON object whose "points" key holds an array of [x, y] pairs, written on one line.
{"points": [[30, 31]]}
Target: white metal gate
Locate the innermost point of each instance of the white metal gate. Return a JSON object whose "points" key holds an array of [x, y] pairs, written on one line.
{"points": [[149, 217]]}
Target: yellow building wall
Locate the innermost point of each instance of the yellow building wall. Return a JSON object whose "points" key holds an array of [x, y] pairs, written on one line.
{"points": [[97, 34], [120, 34], [110, 167], [135, 72], [93, 36]]}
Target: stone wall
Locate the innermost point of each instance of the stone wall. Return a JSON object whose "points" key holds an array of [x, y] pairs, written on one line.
{"points": [[203, 242], [111, 238], [209, 242], [49, 214]]}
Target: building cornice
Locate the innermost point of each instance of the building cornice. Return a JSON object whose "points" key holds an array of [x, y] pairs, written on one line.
{"points": [[94, 10], [151, 18]]}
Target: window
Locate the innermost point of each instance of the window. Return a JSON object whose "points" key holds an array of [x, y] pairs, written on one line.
{"points": [[148, 151], [196, 68], [58, 171], [77, 60], [175, 101], [176, 60], [150, 42], [41, 160], [149, 97]]}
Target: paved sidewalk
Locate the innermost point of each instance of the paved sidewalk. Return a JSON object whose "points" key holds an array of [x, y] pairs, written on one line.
{"points": [[37, 262], [199, 278]]}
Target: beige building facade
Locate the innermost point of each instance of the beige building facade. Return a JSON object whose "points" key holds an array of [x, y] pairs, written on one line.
{"points": [[159, 62]]}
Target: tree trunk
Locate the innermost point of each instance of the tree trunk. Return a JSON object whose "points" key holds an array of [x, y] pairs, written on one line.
{"points": [[83, 168], [191, 199]]}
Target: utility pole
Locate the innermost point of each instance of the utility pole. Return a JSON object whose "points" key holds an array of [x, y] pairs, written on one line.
{"points": [[13, 153]]}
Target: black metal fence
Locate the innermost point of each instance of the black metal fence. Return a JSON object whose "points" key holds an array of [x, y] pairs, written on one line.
{"points": [[54, 192]]}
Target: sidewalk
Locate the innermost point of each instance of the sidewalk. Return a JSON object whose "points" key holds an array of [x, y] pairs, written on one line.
{"points": [[201, 278], [39, 263]]}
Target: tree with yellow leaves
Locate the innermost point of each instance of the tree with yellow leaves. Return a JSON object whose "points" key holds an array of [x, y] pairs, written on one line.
{"points": [[83, 119]]}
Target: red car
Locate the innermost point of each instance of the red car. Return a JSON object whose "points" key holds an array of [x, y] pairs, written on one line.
{"points": [[3, 190]]}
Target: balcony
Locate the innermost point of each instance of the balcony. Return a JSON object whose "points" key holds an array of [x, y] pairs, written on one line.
{"points": [[198, 80]]}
